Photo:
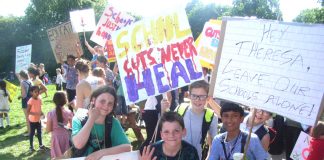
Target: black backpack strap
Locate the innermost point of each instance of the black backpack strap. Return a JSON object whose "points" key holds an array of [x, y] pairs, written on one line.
{"points": [[79, 152], [243, 141], [261, 132], [204, 128], [108, 127], [223, 145]]}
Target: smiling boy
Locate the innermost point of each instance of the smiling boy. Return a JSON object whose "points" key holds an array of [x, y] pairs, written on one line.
{"points": [[226, 144]]}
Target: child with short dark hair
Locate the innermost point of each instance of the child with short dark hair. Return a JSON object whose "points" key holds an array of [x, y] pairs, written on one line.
{"points": [[171, 146], [225, 145], [34, 112]]}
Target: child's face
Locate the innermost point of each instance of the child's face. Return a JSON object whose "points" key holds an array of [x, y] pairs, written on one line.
{"points": [[261, 116], [198, 97], [172, 133], [232, 120], [105, 103], [35, 93]]}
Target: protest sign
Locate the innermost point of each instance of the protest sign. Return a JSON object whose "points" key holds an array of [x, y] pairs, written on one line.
{"points": [[208, 43], [23, 57], [109, 48], [133, 155], [64, 42], [155, 56], [110, 21], [271, 65], [11, 88], [83, 20], [301, 151]]}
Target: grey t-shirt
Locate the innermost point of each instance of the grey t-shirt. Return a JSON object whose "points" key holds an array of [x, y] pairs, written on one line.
{"points": [[193, 124]]}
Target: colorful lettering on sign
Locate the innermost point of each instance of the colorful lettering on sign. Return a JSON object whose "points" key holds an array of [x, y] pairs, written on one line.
{"points": [[161, 29]]}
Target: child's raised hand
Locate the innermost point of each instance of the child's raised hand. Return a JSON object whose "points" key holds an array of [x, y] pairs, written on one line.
{"points": [[147, 153], [93, 113]]}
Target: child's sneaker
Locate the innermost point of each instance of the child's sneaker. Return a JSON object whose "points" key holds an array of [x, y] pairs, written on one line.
{"points": [[42, 148], [31, 150]]}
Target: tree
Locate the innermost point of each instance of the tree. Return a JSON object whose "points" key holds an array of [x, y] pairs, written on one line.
{"points": [[311, 16], [200, 14], [265, 9]]}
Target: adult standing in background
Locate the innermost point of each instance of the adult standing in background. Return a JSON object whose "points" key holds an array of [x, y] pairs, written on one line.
{"points": [[33, 74], [71, 78], [87, 84], [25, 84]]}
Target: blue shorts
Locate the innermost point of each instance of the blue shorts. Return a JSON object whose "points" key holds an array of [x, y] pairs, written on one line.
{"points": [[24, 102]]}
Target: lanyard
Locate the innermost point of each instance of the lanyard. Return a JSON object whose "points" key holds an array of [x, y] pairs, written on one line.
{"points": [[227, 156]]}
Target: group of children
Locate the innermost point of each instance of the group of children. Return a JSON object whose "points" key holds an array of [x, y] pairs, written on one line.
{"points": [[183, 132]]}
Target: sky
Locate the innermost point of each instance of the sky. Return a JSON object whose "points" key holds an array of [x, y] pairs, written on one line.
{"points": [[290, 8]]}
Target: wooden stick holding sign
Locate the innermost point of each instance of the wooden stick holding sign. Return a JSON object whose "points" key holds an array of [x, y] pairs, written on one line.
{"points": [[211, 102], [250, 132]]}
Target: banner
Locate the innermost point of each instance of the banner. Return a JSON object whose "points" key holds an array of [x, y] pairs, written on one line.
{"points": [[207, 43], [110, 21], [64, 42], [301, 151], [23, 57], [11, 88], [270, 65], [155, 56], [83, 20]]}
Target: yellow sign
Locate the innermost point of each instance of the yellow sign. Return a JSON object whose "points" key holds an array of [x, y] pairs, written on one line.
{"points": [[11, 88]]}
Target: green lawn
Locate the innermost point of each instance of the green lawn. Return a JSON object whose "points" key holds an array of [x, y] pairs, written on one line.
{"points": [[15, 146]]}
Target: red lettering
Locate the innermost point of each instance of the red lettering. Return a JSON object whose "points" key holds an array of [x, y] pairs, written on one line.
{"points": [[165, 54], [152, 59], [174, 52], [211, 33], [128, 70]]}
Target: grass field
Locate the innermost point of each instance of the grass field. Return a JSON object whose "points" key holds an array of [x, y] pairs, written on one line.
{"points": [[13, 145]]}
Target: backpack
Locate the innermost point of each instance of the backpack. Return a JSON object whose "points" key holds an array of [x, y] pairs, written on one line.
{"points": [[208, 118], [264, 130], [28, 95], [108, 125]]}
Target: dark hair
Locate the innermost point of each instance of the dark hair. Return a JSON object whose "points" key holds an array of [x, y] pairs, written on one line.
{"points": [[199, 84], [105, 89], [102, 59], [98, 72], [83, 66], [33, 71], [24, 74], [229, 106], [33, 88], [70, 56], [171, 117], [60, 100], [318, 130], [3, 87]]}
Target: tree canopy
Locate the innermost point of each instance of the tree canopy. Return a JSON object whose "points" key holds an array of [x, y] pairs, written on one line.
{"points": [[311, 16]]}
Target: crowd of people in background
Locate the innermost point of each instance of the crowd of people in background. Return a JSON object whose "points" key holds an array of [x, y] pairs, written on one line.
{"points": [[91, 113]]}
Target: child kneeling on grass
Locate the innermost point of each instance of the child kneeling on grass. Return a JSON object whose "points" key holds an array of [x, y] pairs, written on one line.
{"points": [[171, 146]]}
